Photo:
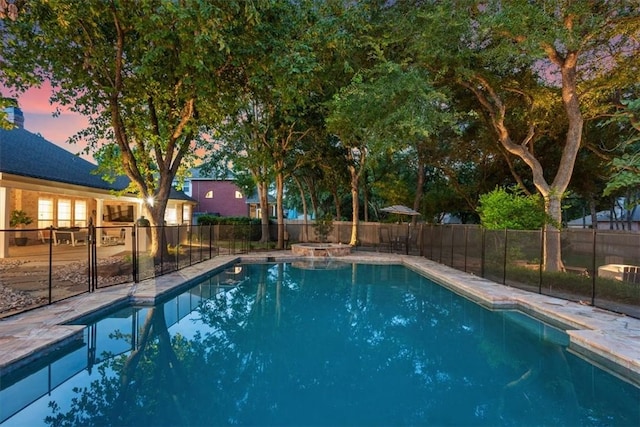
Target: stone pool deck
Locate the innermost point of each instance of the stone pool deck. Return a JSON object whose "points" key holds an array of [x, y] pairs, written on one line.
{"points": [[607, 339]]}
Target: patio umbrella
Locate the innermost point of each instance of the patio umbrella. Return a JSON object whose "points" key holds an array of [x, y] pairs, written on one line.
{"points": [[400, 210]]}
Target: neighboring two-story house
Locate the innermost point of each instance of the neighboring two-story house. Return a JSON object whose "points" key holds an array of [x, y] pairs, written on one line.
{"points": [[221, 197]]}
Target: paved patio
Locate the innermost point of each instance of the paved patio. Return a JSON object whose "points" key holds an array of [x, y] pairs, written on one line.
{"points": [[61, 253], [607, 339]]}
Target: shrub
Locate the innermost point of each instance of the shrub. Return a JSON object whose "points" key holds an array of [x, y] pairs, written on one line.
{"points": [[234, 227], [323, 227], [512, 210]]}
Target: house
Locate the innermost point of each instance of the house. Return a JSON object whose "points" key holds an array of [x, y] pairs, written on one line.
{"points": [[616, 219], [57, 188], [220, 197]]}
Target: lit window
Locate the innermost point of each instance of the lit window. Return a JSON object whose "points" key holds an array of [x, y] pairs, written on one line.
{"points": [[186, 213], [80, 213], [64, 213], [238, 195], [45, 213], [209, 195], [170, 215]]}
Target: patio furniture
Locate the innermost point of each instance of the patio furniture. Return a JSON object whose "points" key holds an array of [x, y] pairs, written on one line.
{"points": [[113, 237], [631, 274], [70, 236], [44, 235], [384, 238]]}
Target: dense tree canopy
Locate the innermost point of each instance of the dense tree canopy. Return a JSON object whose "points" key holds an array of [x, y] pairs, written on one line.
{"points": [[152, 78], [327, 97]]}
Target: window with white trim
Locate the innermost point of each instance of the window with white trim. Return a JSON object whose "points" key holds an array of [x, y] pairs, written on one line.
{"points": [[64, 213], [171, 215], [80, 213], [45, 212]]}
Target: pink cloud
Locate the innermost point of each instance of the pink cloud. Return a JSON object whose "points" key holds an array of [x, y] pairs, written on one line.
{"points": [[39, 119]]}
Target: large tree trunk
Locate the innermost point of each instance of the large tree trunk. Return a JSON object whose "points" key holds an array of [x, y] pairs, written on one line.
{"points": [[552, 250], [552, 193], [155, 208], [355, 204], [263, 195], [280, 209], [305, 227], [356, 159], [419, 185], [336, 203]]}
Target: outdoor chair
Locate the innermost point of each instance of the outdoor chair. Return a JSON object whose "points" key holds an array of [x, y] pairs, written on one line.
{"points": [[631, 275], [412, 242], [384, 238], [114, 238]]}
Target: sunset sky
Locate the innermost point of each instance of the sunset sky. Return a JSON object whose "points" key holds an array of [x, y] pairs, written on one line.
{"points": [[38, 117]]}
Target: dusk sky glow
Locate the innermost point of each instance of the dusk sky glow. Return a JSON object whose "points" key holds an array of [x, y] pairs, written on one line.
{"points": [[39, 119]]}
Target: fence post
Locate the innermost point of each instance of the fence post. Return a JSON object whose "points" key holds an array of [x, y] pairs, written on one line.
{"points": [[483, 238], [92, 256], [453, 235], [504, 257], [177, 247], [210, 241], [134, 254], [466, 246], [431, 226], [541, 262], [200, 240], [593, 268], [442, 227], [190, 240], [163, 246], [50, 263]]}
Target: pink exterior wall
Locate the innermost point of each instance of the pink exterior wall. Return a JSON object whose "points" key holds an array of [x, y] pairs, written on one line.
{"points": [[224, 201]]}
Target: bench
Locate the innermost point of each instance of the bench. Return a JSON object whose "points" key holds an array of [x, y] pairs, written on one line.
{"points": [[44, 235]]}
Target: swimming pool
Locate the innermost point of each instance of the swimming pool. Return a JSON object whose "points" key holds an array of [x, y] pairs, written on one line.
{"points": [[347, 344]]}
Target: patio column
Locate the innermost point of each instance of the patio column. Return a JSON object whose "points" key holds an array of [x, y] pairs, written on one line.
{"points": [[4, 222]]}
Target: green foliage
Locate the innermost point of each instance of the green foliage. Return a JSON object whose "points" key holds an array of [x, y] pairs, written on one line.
{"points": [[152, 78], [323, 227], [512, 210], [19, 217], [4, 103], [227, 220], [626, 168], [240, 227]]}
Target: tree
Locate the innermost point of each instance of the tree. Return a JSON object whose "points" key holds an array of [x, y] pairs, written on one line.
{"points": [[152, 76], [387, 105], [502, 209], [572, 54], [270, 120], [626, 167]]}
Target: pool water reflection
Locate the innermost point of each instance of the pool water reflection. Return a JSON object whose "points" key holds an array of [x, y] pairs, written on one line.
{"points": [[280, 344]]}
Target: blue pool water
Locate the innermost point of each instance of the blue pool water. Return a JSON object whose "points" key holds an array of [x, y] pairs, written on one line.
{"points": [[283, 344]]}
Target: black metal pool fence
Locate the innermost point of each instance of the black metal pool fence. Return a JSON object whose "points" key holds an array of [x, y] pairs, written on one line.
{"points": [[601, 267]]}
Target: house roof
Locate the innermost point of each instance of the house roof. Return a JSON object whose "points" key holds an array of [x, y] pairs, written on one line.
{"points": [[606, 216], [180, 195], [254, 199], [26, 154], [23, 153], [197, 174]]}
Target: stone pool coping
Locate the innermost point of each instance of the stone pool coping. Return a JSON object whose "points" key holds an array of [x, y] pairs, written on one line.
{"points": [[609, 340]]}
